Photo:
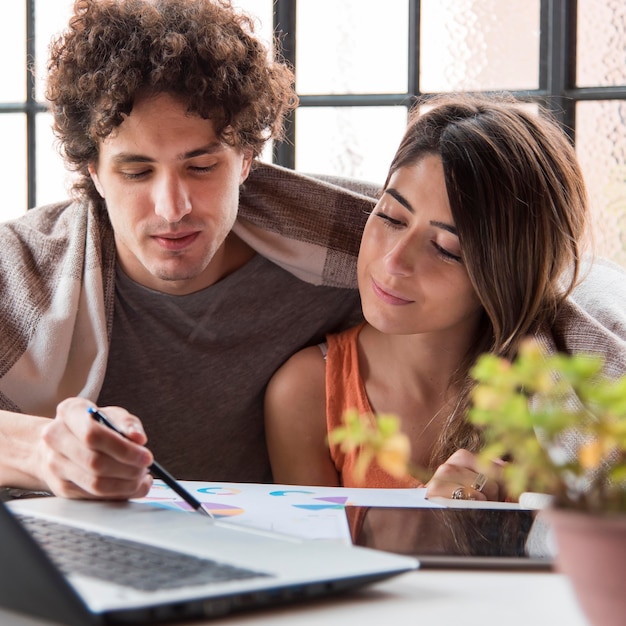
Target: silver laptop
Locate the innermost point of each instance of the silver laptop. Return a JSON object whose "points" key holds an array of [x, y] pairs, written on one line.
{"points": [[169, 566]]}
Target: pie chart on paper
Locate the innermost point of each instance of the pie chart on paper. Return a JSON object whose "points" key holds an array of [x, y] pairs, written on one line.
{"points": [[217, 509]]}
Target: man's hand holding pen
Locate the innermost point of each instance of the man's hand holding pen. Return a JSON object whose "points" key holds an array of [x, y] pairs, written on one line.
{"points": [[84, 459], [157, 470]]}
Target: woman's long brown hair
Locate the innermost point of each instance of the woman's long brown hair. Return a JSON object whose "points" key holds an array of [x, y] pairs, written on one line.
{"points": [[520, 207]]}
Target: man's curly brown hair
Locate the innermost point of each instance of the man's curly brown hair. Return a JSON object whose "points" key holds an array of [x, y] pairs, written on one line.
{"points": [[202, 51]]}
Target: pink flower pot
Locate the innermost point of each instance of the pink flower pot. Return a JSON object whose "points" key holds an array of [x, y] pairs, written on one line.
{"points": [[592, 554]]}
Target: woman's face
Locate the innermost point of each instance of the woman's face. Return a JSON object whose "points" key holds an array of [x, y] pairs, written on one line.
{"points": [[411, 276]]}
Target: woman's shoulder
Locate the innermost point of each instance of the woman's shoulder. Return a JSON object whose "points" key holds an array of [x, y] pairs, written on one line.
{"points": [[343, 341], [302, 373]]}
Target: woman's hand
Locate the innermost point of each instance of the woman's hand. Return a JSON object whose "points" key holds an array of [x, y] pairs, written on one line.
{"points": [[461, 477]]}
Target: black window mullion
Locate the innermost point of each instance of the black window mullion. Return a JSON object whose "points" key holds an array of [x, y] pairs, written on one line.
{"points": [[570, 23], [284, 25], [557, 65], [413, 79], [545, 39], [353, 100], [31, 108]]}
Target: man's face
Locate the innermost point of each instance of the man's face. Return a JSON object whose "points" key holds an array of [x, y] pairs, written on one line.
{"points": [[172, 191]]}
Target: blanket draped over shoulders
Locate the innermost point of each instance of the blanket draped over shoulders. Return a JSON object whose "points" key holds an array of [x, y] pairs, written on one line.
{"points": [[57, 279]]}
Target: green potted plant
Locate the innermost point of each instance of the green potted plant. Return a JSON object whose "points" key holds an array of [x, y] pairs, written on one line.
{"points": [[563, 425], [562, 422]]}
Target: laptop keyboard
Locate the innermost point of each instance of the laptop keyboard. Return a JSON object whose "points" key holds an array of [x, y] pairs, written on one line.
{"points": [[128, 563]]}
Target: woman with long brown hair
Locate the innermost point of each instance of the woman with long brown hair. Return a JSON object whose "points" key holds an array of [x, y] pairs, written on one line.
{"points": [[476, 243]]}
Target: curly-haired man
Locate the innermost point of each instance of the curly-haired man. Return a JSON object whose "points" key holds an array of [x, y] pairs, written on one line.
{"points": [[157, 292]]}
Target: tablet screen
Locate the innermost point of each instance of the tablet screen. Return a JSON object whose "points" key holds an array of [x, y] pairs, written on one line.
{"points": [[454, 537]]}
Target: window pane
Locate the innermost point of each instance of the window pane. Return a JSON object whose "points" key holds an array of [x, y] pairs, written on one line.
{"points": [[13, 165], [261, 11], [601, 148], [474, 45], [51, 16], [352, 46], [53, 179], [13, 51], [348, 141], [601, 43]]}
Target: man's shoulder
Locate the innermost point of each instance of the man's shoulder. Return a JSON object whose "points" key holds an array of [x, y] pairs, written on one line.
{"points": [[265, 177], [43, 220], [271, 280], [51, 239], [309, 225], [265, 294]]}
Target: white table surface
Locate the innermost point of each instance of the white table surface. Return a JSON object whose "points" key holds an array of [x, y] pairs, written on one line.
{"points": [[441, 598], [426, 597]]}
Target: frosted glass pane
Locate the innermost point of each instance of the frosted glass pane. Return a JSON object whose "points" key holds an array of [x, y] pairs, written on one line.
{"points": [[13, 51], [51, 16], [352, 46], [261, 10], [475, 45], [348, 141], [601, 54], [601, 148], [53, 180], [13, 165]]}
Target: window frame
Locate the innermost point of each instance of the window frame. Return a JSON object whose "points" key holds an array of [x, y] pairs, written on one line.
{"points": [[557, 89]]}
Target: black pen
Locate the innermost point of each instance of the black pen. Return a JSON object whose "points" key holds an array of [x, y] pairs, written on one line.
{"points": [[155, 469]]}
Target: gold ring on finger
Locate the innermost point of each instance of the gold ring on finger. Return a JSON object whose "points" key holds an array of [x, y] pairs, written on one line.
{"points": [[480, 482], [459, 494]]}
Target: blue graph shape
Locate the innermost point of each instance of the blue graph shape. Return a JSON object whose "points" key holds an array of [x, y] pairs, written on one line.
{"points": [[318, 507], [288, 491], [219, 491]]}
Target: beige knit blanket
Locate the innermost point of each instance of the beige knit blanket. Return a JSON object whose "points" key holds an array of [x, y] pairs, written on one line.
{"points": [[57, 269]]}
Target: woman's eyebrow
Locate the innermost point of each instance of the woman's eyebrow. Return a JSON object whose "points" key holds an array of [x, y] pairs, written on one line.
{"points": [[444, 226], [394, 193]]}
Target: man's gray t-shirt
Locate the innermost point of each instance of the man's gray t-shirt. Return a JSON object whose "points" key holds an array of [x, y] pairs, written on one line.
{"points": [[194, 368]]}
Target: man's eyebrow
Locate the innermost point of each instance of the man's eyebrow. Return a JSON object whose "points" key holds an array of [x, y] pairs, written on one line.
{"points": [[129, 157], [394, 193], [211, 148]]}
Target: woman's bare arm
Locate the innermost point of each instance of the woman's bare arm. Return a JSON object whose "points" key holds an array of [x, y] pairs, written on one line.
{"points": [[295, 422]]}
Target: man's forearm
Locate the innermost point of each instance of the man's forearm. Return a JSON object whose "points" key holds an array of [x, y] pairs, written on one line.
{"points": [[20, 436]]}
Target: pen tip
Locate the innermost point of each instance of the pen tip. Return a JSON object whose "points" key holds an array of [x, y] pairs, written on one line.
{"points": [[204, 511]]}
